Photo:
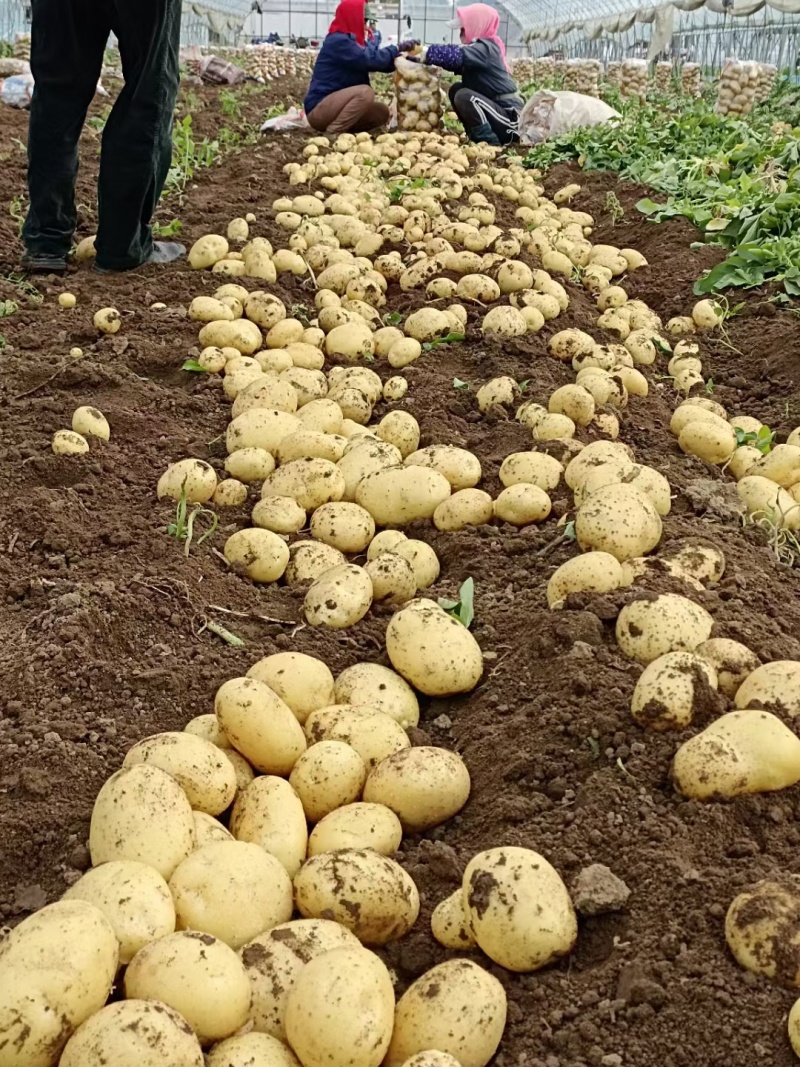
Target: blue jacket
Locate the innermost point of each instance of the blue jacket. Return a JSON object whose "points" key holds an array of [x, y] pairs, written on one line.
{"points": [[342, 62]]}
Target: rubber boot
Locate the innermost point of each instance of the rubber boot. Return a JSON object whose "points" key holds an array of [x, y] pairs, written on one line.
{"points": [[483, 132]]}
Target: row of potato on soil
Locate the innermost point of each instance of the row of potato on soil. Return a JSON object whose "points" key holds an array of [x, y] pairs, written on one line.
{"points": [[359, 776]]}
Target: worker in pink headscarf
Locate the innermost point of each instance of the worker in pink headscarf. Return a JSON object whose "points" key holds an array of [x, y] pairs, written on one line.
{"points": [[486, 99]]}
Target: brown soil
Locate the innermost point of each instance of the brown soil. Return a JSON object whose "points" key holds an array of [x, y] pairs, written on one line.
{"points": [[102, 639]]}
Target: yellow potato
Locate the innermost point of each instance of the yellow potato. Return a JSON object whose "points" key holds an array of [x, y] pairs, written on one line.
{"points": [[327, 776], [593, 572], [467, 507], [618, 519], [649, 628], [772, 683], [521, 504], [765, 500], [309, 481], [201, 769], [207, 251], [668, 689], [261, 554], [432, 650], [732, 661], [345, 526], [450, 923], [259, 725], [761, 929], [423, 786], [269, 813], [251, 1050], [360, 826], [89, 421], [308, 560], [303, 682], [190, 479], [339, 597]]}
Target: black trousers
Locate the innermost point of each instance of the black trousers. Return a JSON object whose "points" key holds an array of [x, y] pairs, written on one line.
{"points": [[68, 41], [474, 109]]}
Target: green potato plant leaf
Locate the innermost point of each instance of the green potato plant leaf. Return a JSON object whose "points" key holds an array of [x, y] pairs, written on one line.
{"points": [[463, 609]]}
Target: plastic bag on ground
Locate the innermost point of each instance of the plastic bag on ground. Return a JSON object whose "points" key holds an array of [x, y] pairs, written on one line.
{"points": [[219, 72], [294, 119], [17, 90], [550, 113]]}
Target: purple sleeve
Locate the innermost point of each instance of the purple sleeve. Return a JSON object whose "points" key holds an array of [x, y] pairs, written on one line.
{"points": [[447, 56]]}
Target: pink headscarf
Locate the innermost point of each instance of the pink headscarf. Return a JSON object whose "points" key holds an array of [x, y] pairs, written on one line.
{"points": [[480, 20]]}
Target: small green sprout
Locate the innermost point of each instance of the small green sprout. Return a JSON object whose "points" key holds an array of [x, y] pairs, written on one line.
{"points": [[463, 609]]}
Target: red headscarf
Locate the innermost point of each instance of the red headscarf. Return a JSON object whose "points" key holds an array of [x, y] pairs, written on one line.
{"points": [[349, 18]]}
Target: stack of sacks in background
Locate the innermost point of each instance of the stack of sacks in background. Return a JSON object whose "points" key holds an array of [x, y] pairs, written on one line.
{"points": [[583, 76], [692, 79], [737, 87], [633, 79]]}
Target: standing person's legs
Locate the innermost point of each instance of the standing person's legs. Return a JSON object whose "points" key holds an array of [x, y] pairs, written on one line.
{"points": [[137, 141], [348, 110], [67, 44], [485, 119]]}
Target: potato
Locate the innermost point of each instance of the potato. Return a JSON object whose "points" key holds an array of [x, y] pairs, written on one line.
{"points": [[669, 689], [375, 686], [713, 441], [196, 975], [467, 507], [427, 324], [595, 572], [781, 465], [69, 443], [269, 813], [89, 421], [521, 504], [133, 1033], [261, 428], [401, 429], [322, 415], [732, 661], [190, 479], [209, 830], [259, 725], [504, 321], [327, 776], [456, 1008], [573, 401], [404, 352], [707, 314], [340, 1010], [773, 683], [569, 344], [142, 814], [518, 908], [338, 598], [397, 496], [207, 251], [701, 559], [310, 559], [203, 772], [395, 389], [265, 391], [432, 650], [230, 493], [357, 826], [309, 481], [497, 393], [462, 469], [345, 526], [764, 500], [232, 890], [423, 786], [553, 427], [312, 444], [533, 468], [761, 929], [350, 342], [369, 894], [620, 520], [261, 554], [57, 968], [450, 923], [209, 309], [432, 1058], [393, 578], [241, 334], [274, 960], [107, 320], [649, 628], [303, 682], [251, 1050], [264, 309], [279, 514]]}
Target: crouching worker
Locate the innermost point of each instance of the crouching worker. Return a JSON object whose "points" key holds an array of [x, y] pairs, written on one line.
{"points": [[340, 98], [486, 99]]}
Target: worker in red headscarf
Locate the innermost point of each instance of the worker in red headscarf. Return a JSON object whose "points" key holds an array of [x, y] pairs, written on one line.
{"points": [[486, 99], [340, 98]]}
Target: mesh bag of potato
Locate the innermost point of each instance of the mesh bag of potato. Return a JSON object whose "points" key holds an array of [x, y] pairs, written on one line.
{"points": [[418, 94]]}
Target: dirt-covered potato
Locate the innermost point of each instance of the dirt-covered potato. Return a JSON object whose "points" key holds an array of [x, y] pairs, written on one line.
{"points": [[593, 572], [432, 650], [142, 814], [427, 324], [269, 813], [456, 1007], [568, 344], [340, 1011], [649, 628], [519, 908], [397, 496], [763, 498], [259, 725], [732, 661], [450, 923], [311, 482], [274, 959], [521, 504], [250, 464], [303, 682], [423, 560], [698, 557], [773, 683], [251, 1050], [241, 334], [713, 441], [310, 559], [497, 393], [748, 751], [209, 830], [198, 976], [461, 468], [573, 401], [90, 422], [670, 688], [278, 515], [57, 968], [369, 894], [393, 579], [192, 479], [593, 455], [618, 519], [553, 427], [260, 554], [232, 890], [534, 468], [467, 507], [327, 776], [762, 931], [404, 352], [401, 429], [504, 321], [357, 826], [133, 1033], [423, 786], [70, 443], [206, 251], [202, 770], [339, 597], [345, 526], [262, 428], [374, 686]]}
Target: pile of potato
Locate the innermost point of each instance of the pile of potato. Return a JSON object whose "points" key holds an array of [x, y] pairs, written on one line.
{"points": [[419, 98], [614, 72], [767, 76], [524, 70], [268, 62], [633, 79], [583, 76], [692, 79], [544, 71], [663, 76], [738, 83]]}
